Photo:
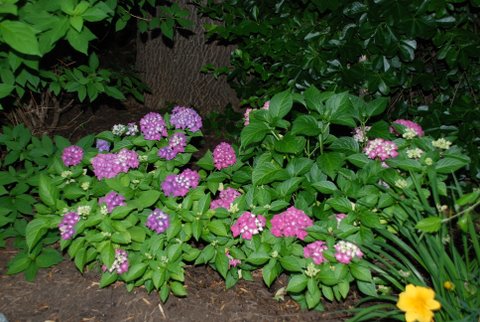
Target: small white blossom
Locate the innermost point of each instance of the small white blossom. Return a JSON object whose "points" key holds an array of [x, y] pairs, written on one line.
{"points": [[85, 185], [442, 144], [414, 153], [401, 183]]}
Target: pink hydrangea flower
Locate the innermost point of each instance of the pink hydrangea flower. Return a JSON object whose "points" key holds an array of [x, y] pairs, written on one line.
{"points": [[112, 200], [158, 221], [360, 134], [246, 115], [153, 126], [110, 164], [315, 251], [232, 262], [179, 185], [185, 118], [412, 129], [248, 225], [72, 155], [291, 222], [225, 199], [380, 149], [69, 220], [224, 156], [345, 252], [127, 159]]}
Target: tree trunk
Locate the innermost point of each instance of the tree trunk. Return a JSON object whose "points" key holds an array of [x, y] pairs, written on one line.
{"points": [[172, 70]]}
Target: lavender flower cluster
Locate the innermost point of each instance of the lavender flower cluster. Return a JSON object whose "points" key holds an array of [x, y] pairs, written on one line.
{"points": [[185, 118], [381, 149], [112, 200], [158, 221], [120, 264], [176, 144], [224, 156], [225, 199], [248, 225], [72, 155], [110, 164], [178, 185], [346, 251], [69, 220], [102, 145], [291, 222], [153, 126]]}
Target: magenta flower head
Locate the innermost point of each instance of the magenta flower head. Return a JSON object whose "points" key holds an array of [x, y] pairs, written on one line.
{"points": [[292, 222], [69, 220], [112, 200], [224, 156], [120, 264], [315, 251], [412, 129], [105, 166], [248, 225], [380, 149], [176, 144], [185, 118], [127, 159], [153, 126], [158, 221], [345, 251], [225, 199], [72, 155]]}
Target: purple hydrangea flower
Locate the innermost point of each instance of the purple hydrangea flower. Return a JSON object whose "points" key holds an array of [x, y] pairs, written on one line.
{"points": [[69, 220], [72, 155], [158, 221], [153, 126], [120, 264], [291, 222], [248, 225], [127, 159], [105, 166], [179, 185], [185, 118], [102, 145], [315, 251], [381, 149], [225, 199], [176, 144], [346, 251], [132, 129], [224, 156], [112, 200]]}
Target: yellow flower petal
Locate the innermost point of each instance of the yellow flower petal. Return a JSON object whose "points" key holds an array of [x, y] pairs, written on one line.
{"points": [[418, 302]]}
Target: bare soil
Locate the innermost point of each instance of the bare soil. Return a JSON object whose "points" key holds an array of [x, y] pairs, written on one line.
{"points": [[62, 293]]}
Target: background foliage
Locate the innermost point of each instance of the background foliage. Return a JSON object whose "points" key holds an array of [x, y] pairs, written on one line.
{"points": [[422, 54]]}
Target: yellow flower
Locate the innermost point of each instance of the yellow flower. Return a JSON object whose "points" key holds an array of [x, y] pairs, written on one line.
{"points": [[449, 285], [418, 302]]}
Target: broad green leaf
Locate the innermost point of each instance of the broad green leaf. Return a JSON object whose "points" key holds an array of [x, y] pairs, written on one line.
{"points": [[330, 163], [429, 224], [326, 187], [253, 133], [178, 289], [297, 283], [289, 186], [218, 228], [292, 263], [299, 166], [306, 125], [340, 204], [146, 199], [19, 263], [271, 271], [405, 164], [267, 172], [35, 230], [47, 190], [20, 37], [6, 89], [134, 272], [48, 257], [360, 272], [290, 144], [258, 258], [280, 104], [449, 165], [80, 40], [107, 279], [377, 106], [221, 264]]}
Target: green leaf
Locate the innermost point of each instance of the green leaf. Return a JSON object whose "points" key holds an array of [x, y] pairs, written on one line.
{"points": [[292, 263], [79, 40], [405, 164], [218, 228], [430, 224], [299, 166], [330, 163], [76, 22], [146, 199], [221, 264], [358, 159], [48, 257], [306, 125], [121, 212], [271, 271], [449, 165], [313, 294], [35, 230], [206, 162], [6, 89], [20, 37], [280, 104], [47, 190], [178, 289], [267, 172], [360, 272], [19, 263], [107, 279], [289, 186], [377, 106], [326, 187], [114, 92], [367, 288], [340, 204], [290, 144], [297, 283], [134, 272], [253, 133], [258, 258]]}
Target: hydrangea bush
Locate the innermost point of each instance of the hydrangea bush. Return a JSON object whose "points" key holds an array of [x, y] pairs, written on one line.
{"points": [[306, 192]]}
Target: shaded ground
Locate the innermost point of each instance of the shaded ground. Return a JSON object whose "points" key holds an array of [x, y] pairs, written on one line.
{"points": [[62, 293]]}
